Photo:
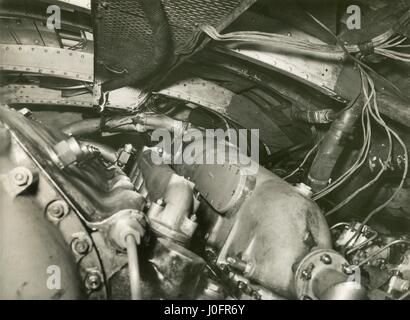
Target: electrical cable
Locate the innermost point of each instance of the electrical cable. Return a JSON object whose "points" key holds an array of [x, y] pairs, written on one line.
{"points": [[310, 152]]}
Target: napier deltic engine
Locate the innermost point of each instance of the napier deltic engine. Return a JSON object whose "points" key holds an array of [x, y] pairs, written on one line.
{"points": [[195, 149]]}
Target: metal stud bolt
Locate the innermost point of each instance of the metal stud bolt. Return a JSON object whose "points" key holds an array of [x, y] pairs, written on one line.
{"points": [[57, 209], [93, 281], [80, 246], [20, 178]]}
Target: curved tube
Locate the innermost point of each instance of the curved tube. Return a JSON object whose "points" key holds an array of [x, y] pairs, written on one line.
{"points": [[375, 254], [315, 116], [133, 267], [106, 152], [162, 46], [332, 147], [130, 123], [82, 127], [163, 183]]}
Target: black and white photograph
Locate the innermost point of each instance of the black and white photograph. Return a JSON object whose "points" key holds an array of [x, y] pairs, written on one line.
{"points": [[225, 151]]}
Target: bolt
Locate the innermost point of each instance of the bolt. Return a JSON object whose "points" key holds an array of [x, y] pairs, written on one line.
{"points": [[210, 254], [93, 281], [347, 269], [237, 264], [80, 246], [223, 267], [57, 209], [242, 286], [256, 295], [326, 259], [128, 148], [306, 275], [160, 202], [307, 272], [20, 178]]}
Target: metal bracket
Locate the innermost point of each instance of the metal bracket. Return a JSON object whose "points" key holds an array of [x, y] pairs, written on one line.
{"points": [[18, 180]]}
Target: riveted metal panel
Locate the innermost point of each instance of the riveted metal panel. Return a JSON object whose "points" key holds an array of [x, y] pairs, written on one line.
{"points": [[33, 94], [47, 61]]}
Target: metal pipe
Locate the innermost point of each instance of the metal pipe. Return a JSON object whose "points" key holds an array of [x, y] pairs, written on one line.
{"points": [[177, 193], [315, 116], [133, 267], [162, 47], [130, 123], [332, 147], [82, 127], [106, 152], [375, 254]]}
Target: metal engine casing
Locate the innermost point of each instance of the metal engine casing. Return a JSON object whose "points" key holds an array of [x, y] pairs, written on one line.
{"points": [[263, 220]]}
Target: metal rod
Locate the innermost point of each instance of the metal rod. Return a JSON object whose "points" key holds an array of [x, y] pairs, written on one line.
{"points": [[133, 267], [375, 254]]}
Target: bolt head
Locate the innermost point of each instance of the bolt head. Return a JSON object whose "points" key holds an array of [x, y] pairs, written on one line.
{"points": [[57, 209], [21, 178], [347, 269], [93, 281], [160, 202], [326, 259], [128, 148], [242, 285], [306, 275], [80, 246]]}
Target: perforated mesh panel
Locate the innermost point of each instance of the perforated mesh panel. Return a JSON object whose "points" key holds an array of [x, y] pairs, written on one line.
{"points": [[123, 34]]}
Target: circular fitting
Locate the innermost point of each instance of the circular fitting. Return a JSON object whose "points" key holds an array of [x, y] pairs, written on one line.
{"points": [[160, 202], [128, 222], [307, 273], [347, 269], [20, 178], [326, 259], [93, 280], [242, 266], [81, 244], [57, 209], [318, 265]]}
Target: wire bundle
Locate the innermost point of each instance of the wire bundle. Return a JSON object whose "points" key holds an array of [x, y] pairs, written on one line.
{"points": [[381, 44], [370, 112], [395, 42]]}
